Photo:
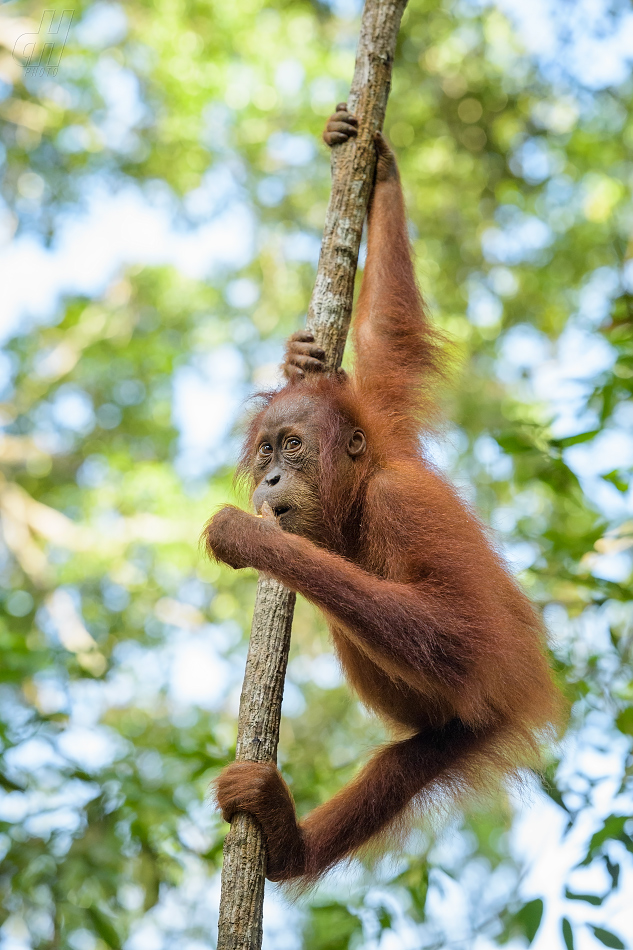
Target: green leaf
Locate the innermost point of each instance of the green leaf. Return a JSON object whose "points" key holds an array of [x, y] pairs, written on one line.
{"points": [[385, 919], [575, 439], [624, 721], [105, 928], [613, 869], [589, 898], [616, 479], [607, 938], [514, 442], [416, 881], [524, 923], [330, 927], [568, 934], [612, 829], [529, 917], [555, 794]]}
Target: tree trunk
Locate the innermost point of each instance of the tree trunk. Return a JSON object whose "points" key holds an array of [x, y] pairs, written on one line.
{"points": [[353, 164], [244, 869]]}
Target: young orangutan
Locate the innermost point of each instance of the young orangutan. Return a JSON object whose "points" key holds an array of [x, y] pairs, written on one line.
{"points": [[430, 628]]}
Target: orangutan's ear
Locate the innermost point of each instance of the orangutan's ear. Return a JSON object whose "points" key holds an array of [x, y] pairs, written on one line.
{"points": [[357, 444]]}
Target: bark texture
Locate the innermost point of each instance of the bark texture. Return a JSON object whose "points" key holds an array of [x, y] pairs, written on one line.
{"points": [[353, 167], [329, 314], [244, 868]]}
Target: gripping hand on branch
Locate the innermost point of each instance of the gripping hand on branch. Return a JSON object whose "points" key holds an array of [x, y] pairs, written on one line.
{"points": [[342, 125]]}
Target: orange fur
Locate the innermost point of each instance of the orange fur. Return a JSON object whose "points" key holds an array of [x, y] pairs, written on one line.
{"points": [[431, 629]]}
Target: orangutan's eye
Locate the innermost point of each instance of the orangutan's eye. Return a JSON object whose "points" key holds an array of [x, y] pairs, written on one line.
{"points": [[265, 448], [292, 444]]}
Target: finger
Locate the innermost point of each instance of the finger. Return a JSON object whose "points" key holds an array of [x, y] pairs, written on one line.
{"points": [[341, 107], [267, 512], [303, 336], [293, 372], [343, 117], [345, 127], [307, 364], [306, 349], [382, 144], [335, 138]]}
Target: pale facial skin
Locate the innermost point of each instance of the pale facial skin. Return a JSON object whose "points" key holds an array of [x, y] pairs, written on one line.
{"points": [[286, 465]]}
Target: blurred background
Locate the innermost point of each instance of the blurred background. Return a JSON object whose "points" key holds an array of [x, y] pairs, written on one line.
{"points": [[163, 188]]}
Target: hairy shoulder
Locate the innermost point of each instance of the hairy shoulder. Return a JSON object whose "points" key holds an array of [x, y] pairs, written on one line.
{"points": [[398, 519], [414, 488], [412, 509]]}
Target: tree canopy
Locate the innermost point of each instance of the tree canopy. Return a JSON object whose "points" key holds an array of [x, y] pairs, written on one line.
{"points": [[162, 193]]}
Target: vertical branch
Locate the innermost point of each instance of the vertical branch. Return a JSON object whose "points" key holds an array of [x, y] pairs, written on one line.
{"points": [[244, 868], [353, 164]]}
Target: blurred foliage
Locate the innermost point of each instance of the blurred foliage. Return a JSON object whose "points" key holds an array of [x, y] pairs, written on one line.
{"points": [[518, 179]]}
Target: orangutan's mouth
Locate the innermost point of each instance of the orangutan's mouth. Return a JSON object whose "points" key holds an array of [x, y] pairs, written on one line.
{"points": [[280, 510]]}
